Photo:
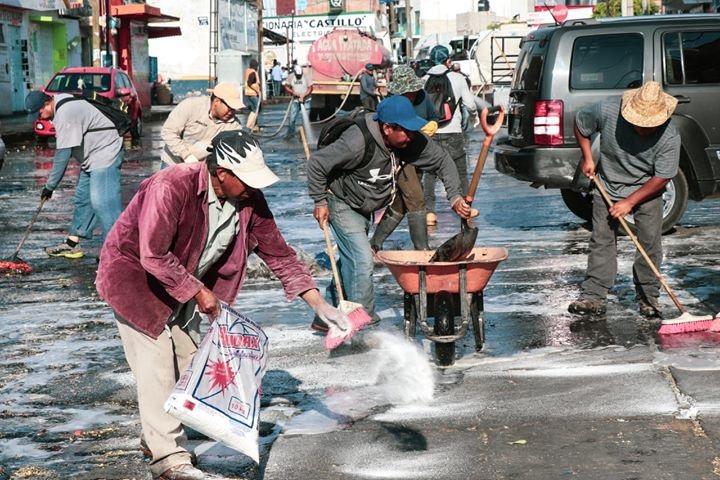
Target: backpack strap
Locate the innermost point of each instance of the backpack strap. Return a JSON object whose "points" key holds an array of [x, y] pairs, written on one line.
{"points": [[73, 99], [369, 140]]}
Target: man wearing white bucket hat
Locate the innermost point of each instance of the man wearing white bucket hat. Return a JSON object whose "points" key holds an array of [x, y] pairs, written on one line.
{"points": [[639, 155], [180, 247]]}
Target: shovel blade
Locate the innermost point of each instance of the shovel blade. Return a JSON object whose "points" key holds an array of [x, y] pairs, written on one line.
{"points": [[457, 247]]}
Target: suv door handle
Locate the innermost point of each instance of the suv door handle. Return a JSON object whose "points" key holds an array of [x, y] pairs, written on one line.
{"points": [[682, 99]]}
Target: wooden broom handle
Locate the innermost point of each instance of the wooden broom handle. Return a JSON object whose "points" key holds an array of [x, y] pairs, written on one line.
{"points": [[331, 254], [305, 143], [640, 248]]}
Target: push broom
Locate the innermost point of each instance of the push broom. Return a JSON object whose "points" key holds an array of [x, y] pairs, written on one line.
{"points": [[355, 312], [14, 264], [686, 322]]}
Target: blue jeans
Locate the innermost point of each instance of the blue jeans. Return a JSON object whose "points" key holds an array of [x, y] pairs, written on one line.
{"points": [[277, 87], [356, 258], [251, 102], [294, 114], [97, 198]]}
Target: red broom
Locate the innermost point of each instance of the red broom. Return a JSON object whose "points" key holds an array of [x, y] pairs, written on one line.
{"points": [[14, 264], [685, 322], [355, 312]]}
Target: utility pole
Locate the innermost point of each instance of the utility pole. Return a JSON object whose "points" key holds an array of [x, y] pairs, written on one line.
{"points": [[261, 73], [108, 54], [95, 5], [391, 23], [408, 31]]}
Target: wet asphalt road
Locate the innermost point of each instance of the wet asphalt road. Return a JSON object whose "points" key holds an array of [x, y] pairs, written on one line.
{"points": [[67, 405]]}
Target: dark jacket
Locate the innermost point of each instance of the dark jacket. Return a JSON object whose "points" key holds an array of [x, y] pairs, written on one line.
{"points": [[148, 261], [339, 168]]}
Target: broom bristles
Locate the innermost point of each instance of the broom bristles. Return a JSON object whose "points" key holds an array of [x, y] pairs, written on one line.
{"points": [[358, 318], [687, 323]]}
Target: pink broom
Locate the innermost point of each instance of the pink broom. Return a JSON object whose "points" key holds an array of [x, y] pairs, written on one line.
{"points": [[355, 312], [685, 322]]}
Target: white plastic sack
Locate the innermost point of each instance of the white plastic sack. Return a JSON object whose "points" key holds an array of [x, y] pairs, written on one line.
{"points": [[219, 393]]}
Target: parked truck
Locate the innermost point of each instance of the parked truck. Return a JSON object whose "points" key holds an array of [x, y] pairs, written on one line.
{"points": [[336, 59]]}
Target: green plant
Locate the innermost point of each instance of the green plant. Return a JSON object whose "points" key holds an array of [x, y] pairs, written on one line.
{"points": [[611, 8]]}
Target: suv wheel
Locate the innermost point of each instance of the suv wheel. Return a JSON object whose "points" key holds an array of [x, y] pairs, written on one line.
{"points": [[675, 201]]}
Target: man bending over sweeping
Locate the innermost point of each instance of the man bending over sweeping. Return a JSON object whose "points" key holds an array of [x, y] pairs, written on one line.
{"points": [[182, 244], [639, 155], [87, 134], [357, 174]]}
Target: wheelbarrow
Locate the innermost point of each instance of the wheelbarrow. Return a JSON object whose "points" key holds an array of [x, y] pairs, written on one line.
{"points": [[443, 291]]}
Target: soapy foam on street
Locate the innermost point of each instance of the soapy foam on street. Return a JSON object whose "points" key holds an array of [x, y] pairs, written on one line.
{"points": [[399, 372], [401, 369]]}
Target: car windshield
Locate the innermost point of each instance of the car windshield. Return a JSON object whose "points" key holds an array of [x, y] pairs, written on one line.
{"points": [[75, 82]]}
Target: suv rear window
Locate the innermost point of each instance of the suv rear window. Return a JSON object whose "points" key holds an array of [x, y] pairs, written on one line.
{"points": [[607, 62], [692, 57], [528, 69]]}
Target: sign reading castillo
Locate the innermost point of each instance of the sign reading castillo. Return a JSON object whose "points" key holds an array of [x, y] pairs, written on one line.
{"points": [[308, 28]]}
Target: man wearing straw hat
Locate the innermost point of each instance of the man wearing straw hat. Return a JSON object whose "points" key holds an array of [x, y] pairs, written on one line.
{"points": [[191, 126], [639, 155]]}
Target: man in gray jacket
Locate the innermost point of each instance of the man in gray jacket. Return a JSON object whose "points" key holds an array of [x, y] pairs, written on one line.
{"points": [[347, 187], [449, 136]]}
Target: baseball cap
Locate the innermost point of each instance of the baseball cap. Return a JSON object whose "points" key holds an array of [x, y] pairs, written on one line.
{"points": [[369, 66], [229, 93], [239, 152], [35, 100], [398, 110]]}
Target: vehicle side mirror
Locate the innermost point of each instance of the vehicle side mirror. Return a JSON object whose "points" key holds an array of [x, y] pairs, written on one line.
{"points": [[123, 91]]}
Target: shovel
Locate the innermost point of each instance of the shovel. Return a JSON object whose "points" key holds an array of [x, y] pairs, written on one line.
{"points": [[14, 264], [459, 246]]}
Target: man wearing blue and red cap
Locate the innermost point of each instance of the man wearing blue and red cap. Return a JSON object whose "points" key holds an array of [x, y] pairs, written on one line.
{"points": [[347, 185]]}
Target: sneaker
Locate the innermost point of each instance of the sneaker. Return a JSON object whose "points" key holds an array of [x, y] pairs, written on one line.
{"points": [[65, 250], [183, 471], [649, 308], [431, 219], [586, 306]]}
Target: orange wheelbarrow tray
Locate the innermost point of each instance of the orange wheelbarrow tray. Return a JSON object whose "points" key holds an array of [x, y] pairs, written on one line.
{"points": [[443, 290]]}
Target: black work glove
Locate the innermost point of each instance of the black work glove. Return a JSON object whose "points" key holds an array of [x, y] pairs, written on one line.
{"points": [[46, 194]]}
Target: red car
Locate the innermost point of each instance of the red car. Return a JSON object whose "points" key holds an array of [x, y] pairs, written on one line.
{"points": [[109, 82]]}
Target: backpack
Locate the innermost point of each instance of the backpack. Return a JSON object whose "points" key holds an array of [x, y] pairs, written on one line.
{"points": [[440, 93], [335, 128], [115, 110]]}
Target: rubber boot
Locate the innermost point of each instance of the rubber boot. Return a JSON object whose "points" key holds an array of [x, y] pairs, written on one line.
{"points": [[418, 230], [387, 225]]}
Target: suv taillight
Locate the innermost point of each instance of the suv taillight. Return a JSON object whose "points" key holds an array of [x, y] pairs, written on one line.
{"points": [[548, 122]]}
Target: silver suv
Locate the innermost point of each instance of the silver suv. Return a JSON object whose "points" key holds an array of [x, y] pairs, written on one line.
{"points": [[562, 68]]}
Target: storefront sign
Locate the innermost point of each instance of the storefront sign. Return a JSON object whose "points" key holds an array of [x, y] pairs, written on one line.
{"points": [[238, 26], [35, 4], [10, 16], [310, 28]]}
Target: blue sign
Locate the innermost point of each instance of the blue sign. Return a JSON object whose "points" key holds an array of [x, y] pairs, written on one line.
{"points": [[300, 5]]}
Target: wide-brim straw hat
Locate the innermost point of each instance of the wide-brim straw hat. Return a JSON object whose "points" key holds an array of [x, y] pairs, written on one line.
{"points": [[647, 106]]}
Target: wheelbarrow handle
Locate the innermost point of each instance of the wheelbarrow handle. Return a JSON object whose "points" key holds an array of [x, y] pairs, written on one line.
{"points": [[491, 130]]}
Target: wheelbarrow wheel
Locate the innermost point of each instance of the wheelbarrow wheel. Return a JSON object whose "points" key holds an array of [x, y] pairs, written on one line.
{"points": [[444, 325], [410, 314]]}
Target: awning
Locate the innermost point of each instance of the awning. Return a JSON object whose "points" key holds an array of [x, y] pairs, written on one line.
{"points": [[142, 12], [274, 37], [160, 32]]}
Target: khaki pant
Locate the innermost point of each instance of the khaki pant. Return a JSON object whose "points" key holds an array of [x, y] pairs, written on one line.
{"points": [[156, 366]]}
